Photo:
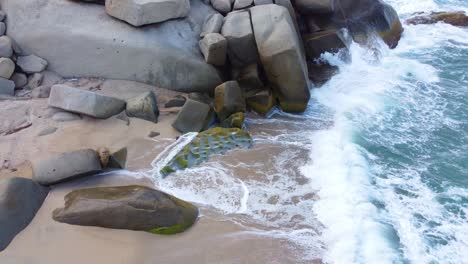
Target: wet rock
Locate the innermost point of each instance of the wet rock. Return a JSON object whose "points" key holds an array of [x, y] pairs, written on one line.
{"points": [[66, 166], [234, 120], [143, 106], [65, 117], [228, 100], [20, 199], [249, 78], [7, 87], [177, 101], [84, 102], [127, 207], [7, 67], [261, 102], [34, 81], [223, 6], [214, 48], [118, 159], [241, 4], [453, 18], [237, 29], [321, 73], [31, 63], [280, 52], [314, 7], [6, 48], [20, 79], [41, 92], [213, 141], [212, 25], [324, 41], [47, 131], [192, 117], [138, 13]]}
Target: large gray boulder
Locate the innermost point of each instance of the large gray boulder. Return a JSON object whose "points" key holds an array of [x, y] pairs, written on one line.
{"points": [[165, 54], [66, 166], [127, 207], [214, 48], [84, 102], [192, 117], [143, 12], [20, 198], [281, 55]]}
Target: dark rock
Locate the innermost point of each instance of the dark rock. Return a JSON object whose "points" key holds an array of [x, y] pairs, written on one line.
{"points": [[321, 73], [153, 134], [143, 106], [66, 166], [228, 100], [324, 41], [118, 159], [261, 102], [177, 101], [192, 117], [249, 78], [20, 199], [201, 97], [313, 7], [234, 120], [133, 207], [453, 18]]}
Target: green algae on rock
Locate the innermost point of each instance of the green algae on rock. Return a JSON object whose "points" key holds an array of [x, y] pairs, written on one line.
{"points": [[217, 140]]}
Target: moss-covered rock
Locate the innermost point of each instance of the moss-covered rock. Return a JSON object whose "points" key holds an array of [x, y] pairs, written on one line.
{"points": [[127, 207], [261, 102], [228, 100], [234, 120], [213, 141]]}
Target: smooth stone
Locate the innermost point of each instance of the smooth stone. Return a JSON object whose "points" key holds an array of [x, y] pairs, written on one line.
{"points": [[20, 79], [228, 100], [212, 24], [6, 47], [7, 67], [41, 92], [7, 87], [241, 4], [214, 48], [65, 117], [235, 120], [31, 63], [192, 117], [20, 199], [132, 207], [144, 107], [223, 6], [66, 166], [47, 131], [320, 73], [84, 102], [143, 12]]}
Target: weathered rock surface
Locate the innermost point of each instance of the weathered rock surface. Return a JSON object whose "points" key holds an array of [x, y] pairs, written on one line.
{"points": [[143, 106], [249, 78], [143, 12], [20, 198], [192, 117], [213, 141], [7, 67], [223, 6], [312, 7], [214, 49], [228, 100], [66, 166], [177, 101], [234, 120], [31, 63], [280, 52], [166, 54], [324, 41], [261, 102], [6, 48], [241, 4], [237, 29], [84, 102], [453, 18], [212, 24], [127, 207], [7, 87]]}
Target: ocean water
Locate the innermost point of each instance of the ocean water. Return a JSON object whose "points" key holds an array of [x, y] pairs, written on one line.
{"points": [[375, 171]]}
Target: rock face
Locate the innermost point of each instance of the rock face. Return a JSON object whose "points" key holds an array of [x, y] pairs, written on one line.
{"points": [[207, 143], [31, 63], [20, 198], [192, 117], [84, 102], [143, 106], [237, 29], [143, 12], [453, 18], [166, 54], [127, 207], [228, 100], [281, 55], [66, 166], [214, 48]]}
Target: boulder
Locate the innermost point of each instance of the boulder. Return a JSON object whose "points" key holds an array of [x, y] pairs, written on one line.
{"points": [[118, 159], [237, 29], [228, 100], [223, 6], [132, 207], [2, 28], [212, 24], [263, 2], [31, 63], [6, 47], [214, 48], [143, 12], [234, 120], [7, 67], [34, 81], [20, 199], [453, 18], [143, 106], [20, 79], [241, 4], [249, 78], [261, 102], [282, 58], [177, 101], [41, 92], [7, 87], [323, 41], [192, 117], [84, 102], [166, 54], [314, 7], [66, 166]]}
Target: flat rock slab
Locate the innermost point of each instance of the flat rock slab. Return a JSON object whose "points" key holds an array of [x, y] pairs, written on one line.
{"points": [[20, 198], [84, 102], [127, 207], [66, 166]]}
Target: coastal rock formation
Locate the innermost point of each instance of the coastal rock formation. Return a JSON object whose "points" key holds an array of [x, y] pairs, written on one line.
{"points": [[143, 12], [261, 102], [212, 24], [213, 141], [228, 100], [20, 198], [192, 117], [324, 41], [214, 48], [164, 54], [132, 207], [84, 102], [143, 106], [453, 18], [66, 166]]}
